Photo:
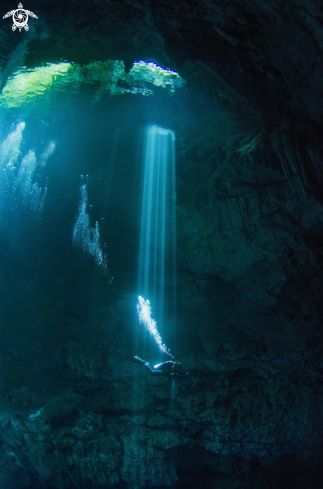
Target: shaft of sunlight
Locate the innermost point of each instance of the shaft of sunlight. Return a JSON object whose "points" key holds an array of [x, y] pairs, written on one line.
{"points": [[145, 319], [156, 274]]}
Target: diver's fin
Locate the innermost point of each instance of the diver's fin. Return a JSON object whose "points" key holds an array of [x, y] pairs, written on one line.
{"points": [[139, 360]]}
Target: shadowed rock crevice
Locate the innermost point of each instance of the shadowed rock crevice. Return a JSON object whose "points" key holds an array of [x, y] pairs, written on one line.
{"points": [[247, 318]]}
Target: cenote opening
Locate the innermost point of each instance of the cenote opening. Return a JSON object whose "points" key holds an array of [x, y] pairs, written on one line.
{"points": [[160, 269]]}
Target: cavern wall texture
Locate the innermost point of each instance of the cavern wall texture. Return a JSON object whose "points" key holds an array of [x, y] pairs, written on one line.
{"points": [[247, 318]]}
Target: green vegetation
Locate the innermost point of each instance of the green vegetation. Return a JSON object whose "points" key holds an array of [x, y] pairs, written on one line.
{"points": [[28, 85]]}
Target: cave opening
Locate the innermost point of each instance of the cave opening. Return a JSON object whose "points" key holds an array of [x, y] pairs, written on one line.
{"points": [[160, 182]]}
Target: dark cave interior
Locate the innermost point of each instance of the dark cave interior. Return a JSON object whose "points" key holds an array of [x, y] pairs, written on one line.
{"points": [[242, 299]]}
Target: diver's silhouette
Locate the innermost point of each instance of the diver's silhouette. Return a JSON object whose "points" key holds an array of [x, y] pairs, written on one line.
{"points": [[166, 369]]}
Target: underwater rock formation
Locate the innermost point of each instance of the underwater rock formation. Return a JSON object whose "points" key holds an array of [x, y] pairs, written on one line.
{"points": [[247, 323]]}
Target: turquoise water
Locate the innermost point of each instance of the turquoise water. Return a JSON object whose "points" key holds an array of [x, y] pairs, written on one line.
{"points": [[158, 225]]}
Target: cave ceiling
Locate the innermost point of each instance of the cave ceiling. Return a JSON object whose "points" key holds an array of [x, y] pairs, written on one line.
{"points": [[74, 411], [269, 52]]}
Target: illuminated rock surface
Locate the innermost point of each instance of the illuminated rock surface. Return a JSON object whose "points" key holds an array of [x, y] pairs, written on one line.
{"points": [[75, 412]]}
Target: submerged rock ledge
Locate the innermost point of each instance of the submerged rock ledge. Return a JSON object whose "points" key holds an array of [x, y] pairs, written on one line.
{"points": [[75, 413]]}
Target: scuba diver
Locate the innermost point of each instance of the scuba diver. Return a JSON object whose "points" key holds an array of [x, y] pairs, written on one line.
{"points": [[166, 369]]}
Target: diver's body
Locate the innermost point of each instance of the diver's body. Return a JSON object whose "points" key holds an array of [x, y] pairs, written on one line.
{"points": [[166, 369]]}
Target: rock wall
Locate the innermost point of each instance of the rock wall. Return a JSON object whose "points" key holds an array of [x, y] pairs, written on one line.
{"points": [[75, 413]]}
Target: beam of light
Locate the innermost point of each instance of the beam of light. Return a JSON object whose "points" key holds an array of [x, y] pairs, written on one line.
{"points": [[86, 238], [157, 254], [145, 319]]}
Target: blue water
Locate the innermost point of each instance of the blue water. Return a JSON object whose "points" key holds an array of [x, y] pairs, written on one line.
{"points": [[19, 186], [158, 225], [88, 239]]}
